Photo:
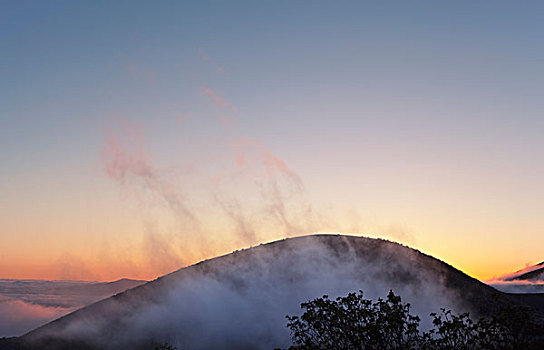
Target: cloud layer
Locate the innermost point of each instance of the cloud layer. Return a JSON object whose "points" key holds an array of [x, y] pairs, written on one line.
{"points": [[27, 304], [527, 280]]}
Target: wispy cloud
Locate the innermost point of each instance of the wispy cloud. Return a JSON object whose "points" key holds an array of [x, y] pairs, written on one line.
{"points": [[123, 153], [204, 55], [219, 100], [253, 193], [124, 156], [126, 162], [283, 192]]}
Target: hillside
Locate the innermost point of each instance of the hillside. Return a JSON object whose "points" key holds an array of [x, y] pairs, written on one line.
{"points": [[239, 300]]}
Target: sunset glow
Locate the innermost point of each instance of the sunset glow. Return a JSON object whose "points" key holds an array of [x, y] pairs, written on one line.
{"points": [[140, 138]]}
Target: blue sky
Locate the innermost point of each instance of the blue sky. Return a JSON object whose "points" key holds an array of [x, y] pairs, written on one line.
{"points": [[421, 116]]}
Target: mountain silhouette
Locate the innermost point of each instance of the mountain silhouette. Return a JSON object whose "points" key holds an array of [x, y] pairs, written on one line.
{"points": [[240, 300]]}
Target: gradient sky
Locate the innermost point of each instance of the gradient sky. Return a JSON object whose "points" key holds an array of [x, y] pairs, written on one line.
{"points": [[138, 137]]}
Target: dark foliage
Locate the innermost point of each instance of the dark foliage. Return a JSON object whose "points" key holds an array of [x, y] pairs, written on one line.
{"points": [[355, 323]]}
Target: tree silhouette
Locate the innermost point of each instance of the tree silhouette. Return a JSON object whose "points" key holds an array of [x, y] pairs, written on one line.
{"points": [[355, 323]]}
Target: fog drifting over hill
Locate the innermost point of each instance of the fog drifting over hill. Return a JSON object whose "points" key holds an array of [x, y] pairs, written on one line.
{"points": [[240, 300]]}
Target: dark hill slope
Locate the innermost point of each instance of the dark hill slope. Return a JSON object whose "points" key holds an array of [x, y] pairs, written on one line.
{"points": [[239, 300], [534, 300]]}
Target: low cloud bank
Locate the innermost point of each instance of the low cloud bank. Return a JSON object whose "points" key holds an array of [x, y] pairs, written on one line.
{"points": [[18, 317], [518, 286], [27, 304], [527, 280]]}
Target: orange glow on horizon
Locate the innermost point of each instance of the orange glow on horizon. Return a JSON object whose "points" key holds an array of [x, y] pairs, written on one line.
{"points": [[103, 268]]}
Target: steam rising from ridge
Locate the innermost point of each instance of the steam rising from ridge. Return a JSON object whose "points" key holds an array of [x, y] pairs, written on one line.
{"points": [[237, 194], [252, 195]]}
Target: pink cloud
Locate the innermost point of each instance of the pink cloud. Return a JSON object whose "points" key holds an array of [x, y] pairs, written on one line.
{"points": [[281, 187], [273, 164], [206, 57], [516, 277], [219, 100], [124, 158], [123, 154]]}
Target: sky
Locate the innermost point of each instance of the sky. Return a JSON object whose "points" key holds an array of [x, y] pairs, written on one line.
{"points": [[138, 137]]}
